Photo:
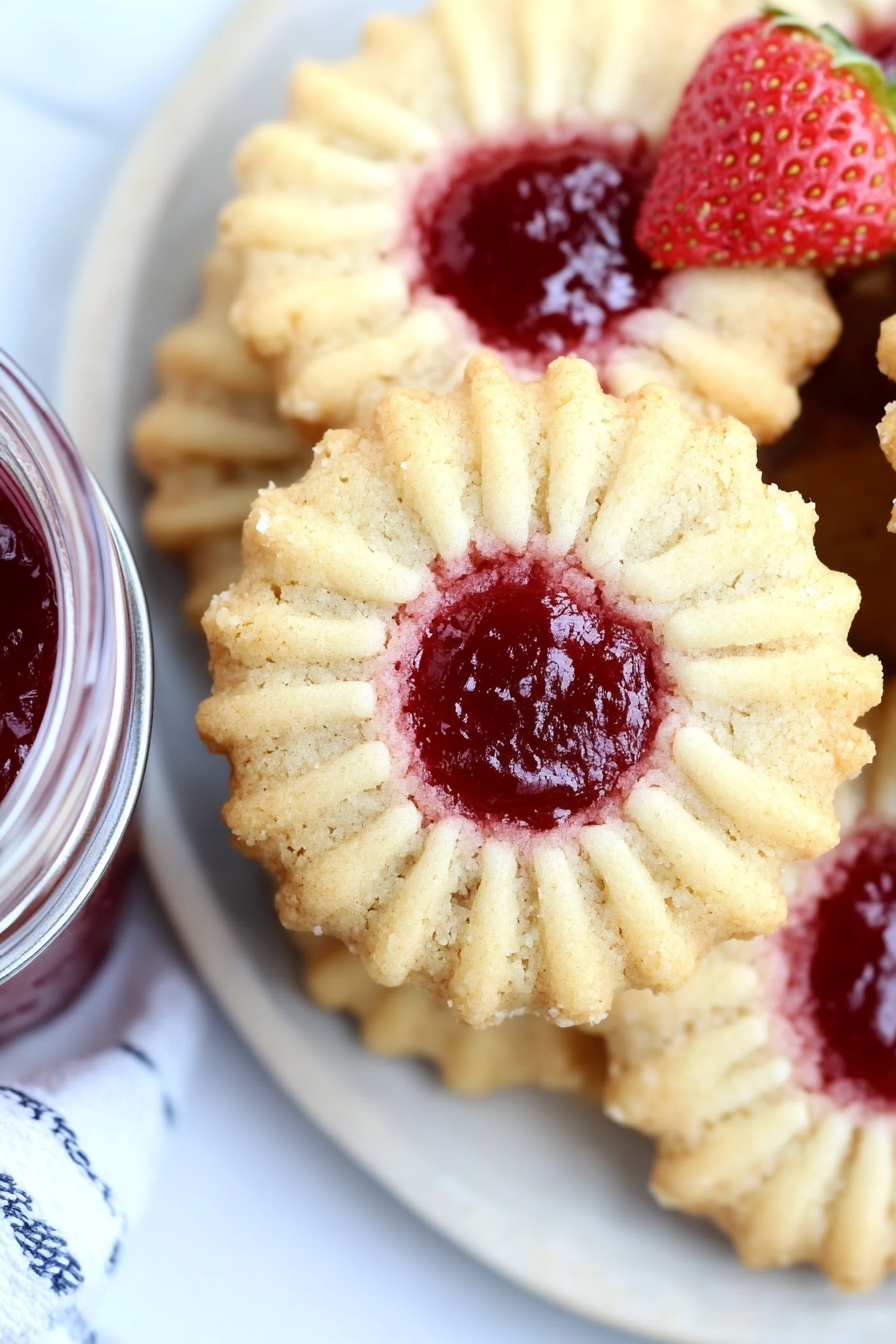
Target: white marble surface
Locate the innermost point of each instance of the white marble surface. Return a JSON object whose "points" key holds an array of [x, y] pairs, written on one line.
{"points": [[260, 1229]]}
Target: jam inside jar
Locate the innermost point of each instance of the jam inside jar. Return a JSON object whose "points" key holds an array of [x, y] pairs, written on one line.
{"points": [[28, 630], [56, 977], [75, 698]]}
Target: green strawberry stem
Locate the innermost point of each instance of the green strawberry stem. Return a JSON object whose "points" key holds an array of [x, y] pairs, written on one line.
{"points": [[846, 56]]}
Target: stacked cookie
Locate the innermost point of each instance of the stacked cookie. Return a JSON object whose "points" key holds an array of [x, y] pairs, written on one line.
{"points": [[212, 440], [535, 693], [769, 1080], [521, 1051]]}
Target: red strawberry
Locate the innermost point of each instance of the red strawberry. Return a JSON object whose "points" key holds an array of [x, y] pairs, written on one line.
{"points": [[782, 153]]}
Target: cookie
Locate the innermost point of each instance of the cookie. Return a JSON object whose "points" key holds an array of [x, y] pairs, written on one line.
{"points": [[832, 458], [850, 380], [213, 565], [472, 179], [211, 441], [529, 692], [886, 358], [770, 1080], [520, 1052]]}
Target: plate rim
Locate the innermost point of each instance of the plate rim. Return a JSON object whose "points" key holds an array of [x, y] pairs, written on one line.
{"points": [[91, 386], [91, 383], [234, 983], [102, 294]]}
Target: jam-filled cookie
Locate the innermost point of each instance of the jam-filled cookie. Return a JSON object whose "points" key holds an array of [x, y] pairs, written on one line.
{"points": [[519, 1052], [211, 440], [770, 1079], [472, 179], [530, 692]]}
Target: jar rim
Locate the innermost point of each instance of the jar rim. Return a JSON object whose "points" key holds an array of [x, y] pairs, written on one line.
{"points": [[65, 813]]}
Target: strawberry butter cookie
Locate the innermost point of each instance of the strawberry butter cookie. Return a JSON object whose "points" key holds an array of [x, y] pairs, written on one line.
{"points": [[473, 178], [770, 1079], [529, 693], [521, 1051], [211, 440]]}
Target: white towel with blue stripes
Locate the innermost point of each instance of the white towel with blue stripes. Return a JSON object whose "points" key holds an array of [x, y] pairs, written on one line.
{"points": [[78, 1151]]}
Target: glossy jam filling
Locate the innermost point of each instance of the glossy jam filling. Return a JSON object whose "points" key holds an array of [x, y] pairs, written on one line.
{"points": [[880, 42], [535, 242], [528, 698], [844, 954], [28, 630]]}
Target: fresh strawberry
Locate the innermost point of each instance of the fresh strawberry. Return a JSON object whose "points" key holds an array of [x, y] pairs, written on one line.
{"points": [[782, 153]]}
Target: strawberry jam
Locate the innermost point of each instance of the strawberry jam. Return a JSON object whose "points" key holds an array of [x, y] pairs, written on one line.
{"points": [[535, 242], [880, 42], [54, 979], [28, 630], [529, 698], [847, 943]]}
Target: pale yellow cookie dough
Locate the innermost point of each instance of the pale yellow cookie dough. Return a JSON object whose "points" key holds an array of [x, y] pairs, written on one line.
{"points": [[670, 517], [520, 1052], [211, 440], [886, 358], [791, 1175], [832, 457], [329, 297]]}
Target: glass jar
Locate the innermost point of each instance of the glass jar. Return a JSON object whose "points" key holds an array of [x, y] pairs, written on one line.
{"points": [[65, 841]]}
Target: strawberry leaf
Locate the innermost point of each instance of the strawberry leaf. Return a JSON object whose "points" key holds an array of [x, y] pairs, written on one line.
{"points": [[844, 56]]}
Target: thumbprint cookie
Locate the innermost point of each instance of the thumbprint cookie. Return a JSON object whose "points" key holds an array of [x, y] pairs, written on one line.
{"points": [[472, 179], [769, 1081], [529, 692]]}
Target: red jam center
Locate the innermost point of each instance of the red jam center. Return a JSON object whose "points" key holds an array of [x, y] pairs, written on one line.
{"points": [[535, 242], [881, 44], [528, 697], [28, 630], [852, 971]]}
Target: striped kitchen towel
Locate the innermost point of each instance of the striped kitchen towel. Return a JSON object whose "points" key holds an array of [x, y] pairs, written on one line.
{"points": [[78, 1149]]}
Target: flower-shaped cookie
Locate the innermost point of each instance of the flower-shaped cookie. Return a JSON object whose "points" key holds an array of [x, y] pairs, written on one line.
{"points": [[521, 1051], [832, 456], [212, 440], [529, 692], [472, 179], [770, 1079]]}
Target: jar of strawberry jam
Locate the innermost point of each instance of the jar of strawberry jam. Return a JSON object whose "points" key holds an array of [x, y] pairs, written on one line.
{"points": [[75, 708]]}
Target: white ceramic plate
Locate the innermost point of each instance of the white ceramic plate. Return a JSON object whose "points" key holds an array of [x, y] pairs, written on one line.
{"points": [[541, 1188]]}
